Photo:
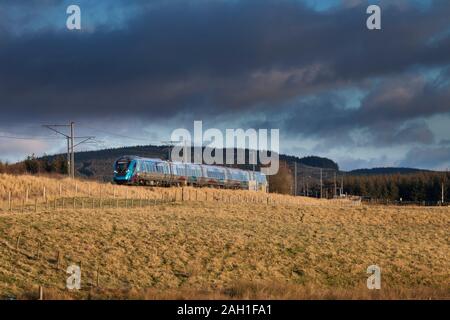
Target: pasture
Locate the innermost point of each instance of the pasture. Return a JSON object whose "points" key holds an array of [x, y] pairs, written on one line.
{"points": [[224, 247]]}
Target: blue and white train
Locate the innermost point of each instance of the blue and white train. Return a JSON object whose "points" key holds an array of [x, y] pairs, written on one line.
{"points": [[135, 170]]}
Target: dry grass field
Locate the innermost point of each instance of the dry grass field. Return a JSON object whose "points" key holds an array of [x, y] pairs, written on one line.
{"points": [[224, 247]]}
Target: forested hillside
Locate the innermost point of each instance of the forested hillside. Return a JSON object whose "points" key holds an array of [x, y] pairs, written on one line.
{"points": [[423, 186]]}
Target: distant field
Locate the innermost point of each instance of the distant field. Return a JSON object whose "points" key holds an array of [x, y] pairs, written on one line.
{"points": [[215, 249]]}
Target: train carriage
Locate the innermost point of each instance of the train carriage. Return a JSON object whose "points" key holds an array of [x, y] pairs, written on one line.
{"points": [[213, 176], [237, 179], [157, 172]]}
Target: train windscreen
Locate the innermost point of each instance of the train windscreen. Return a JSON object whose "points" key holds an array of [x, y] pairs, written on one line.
{"points": [[122, 167]]}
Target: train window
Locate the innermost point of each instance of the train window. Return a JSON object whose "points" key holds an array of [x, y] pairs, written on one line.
{"points": [[122, 167], [150, 167], [138, 166], [160, 167]]}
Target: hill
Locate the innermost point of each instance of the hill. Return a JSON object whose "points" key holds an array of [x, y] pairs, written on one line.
{"points": [[385, 170], [98, 164]]}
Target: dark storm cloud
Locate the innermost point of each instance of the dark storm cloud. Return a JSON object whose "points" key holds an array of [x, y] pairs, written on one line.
{"points": [[427, 157], [387, 113], [214, 56], [268, 63]]}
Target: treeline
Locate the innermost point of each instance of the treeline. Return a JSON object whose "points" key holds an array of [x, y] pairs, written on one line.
{"points": [[424, 186], [33, 165]]}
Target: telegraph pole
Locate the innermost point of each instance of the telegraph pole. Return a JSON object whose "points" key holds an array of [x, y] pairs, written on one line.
{"points": [[335, 185], [321, 183], [69, 161], [295, 178], [72, 150], [70, 143], [443, 187]]}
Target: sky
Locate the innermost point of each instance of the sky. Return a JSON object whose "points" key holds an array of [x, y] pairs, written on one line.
{"points": [[140, 69]]}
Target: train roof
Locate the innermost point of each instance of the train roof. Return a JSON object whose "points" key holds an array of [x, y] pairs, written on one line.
{"points": [[139, 158], [133, 157]]}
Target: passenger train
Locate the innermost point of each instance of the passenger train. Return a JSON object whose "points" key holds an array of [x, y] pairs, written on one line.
{"points": [[135, 170]]}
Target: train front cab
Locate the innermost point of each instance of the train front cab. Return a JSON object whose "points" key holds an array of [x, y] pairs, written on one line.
{"points": [[124, 170]]}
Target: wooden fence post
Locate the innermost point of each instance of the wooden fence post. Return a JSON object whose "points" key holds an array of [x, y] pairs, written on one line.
{"points": [[35, 205], [18, 242], [97, 280], [58, 259], [41, 293], [38, 250], [9, 201]]}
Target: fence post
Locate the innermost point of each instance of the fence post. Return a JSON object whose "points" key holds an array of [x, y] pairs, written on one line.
{"points": [[97, 282], [38, 250], [9, 201], [41, 293], [58, 259], [60, 190], [26, 196], [35, 205], [18, 242], [44, 193]]}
